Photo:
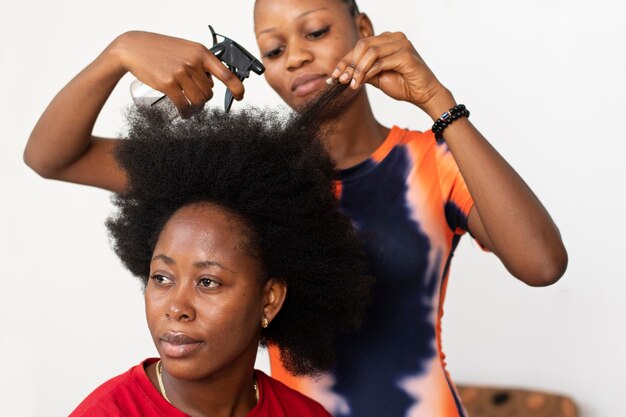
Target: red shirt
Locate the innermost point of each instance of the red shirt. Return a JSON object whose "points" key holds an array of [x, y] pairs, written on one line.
{"points": [[132, 394]]}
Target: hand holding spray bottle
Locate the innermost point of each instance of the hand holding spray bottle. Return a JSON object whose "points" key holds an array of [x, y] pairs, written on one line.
{"points": [[236, 58]]}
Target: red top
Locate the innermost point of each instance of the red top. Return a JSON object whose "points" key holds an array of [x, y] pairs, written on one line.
{"points": [[132, 394]]}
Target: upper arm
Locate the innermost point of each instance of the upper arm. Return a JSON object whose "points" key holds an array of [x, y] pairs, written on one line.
{"points": [[477, 229], [95, 167], [457, 200]]}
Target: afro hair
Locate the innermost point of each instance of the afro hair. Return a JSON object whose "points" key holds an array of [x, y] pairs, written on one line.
{"points": [[272, 171]]}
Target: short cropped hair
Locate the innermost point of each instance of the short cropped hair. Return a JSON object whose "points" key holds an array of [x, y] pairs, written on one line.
{"points": [[352, 7], [274, 173]]}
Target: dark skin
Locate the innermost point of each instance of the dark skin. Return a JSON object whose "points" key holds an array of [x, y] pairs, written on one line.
{"points": [[205, 286], [507, 217], [62, 145], [316, 38]]}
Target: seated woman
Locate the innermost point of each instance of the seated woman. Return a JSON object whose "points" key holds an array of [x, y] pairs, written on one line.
{"points": [[230, 221]]}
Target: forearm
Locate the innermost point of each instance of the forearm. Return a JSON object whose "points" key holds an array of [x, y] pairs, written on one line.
{"points": [[63, 133], [510, 218], [507, 217]]}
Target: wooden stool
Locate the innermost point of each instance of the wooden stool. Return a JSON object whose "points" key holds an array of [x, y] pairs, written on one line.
{"points": [[508, 402]]}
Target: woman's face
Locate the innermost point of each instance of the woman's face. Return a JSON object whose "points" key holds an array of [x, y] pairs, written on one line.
{"points": [[205, 297], [301, 42]]}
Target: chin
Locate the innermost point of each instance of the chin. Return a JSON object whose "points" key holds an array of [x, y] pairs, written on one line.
{"points": [[187, 370], [300, 103]]}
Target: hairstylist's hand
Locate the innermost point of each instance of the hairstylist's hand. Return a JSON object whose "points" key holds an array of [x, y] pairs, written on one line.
{"points": [[390, 62], [179, 68]]}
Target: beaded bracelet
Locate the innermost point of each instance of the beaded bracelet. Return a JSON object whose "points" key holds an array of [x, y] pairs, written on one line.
{"points": [[447, 118]]}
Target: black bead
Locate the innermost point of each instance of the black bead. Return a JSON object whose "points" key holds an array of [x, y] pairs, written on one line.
{"points": [[447, 118]]}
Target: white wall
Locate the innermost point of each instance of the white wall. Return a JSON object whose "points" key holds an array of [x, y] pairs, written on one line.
{"points": [[543, 79]]}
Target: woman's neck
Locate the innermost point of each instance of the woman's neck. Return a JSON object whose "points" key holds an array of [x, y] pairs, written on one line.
{"points": [[355, 135], [233, 395]]}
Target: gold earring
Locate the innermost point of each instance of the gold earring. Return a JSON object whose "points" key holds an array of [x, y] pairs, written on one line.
{"points": [[265, 322]]}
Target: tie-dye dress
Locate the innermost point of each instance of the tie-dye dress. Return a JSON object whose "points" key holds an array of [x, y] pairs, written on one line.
{"points": [[410, 204]]}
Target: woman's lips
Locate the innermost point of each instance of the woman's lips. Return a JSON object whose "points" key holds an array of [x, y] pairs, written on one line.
{"points": [[178, 345], [305, 84]]}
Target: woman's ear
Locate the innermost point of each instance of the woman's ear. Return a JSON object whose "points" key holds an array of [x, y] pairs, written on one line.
{"points": [[364, 25], [275, 292]]}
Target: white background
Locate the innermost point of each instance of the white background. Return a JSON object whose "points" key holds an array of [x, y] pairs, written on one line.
{"points": [[544, 81]]}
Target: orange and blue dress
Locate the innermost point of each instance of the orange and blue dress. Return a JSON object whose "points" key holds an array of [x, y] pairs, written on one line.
{"points": [[410, 204]]}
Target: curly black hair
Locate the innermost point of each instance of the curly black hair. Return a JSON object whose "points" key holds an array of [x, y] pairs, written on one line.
{"points": [[272, 171]]}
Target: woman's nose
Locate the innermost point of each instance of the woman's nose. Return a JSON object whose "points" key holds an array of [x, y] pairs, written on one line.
{"points": [[298, 55], [180, 305]]}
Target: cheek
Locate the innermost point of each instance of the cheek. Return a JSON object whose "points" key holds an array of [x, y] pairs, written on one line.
{"points": [[240, 308], [339, 48], [152, 315], [232, 326], [156, 305]]}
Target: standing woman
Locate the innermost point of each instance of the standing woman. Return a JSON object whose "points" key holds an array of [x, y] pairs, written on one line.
{"points": [[411, 197]]}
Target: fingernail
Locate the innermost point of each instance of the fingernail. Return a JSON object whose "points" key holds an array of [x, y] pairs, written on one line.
{"points": [[353, 83], [335, 73], [344, 77]]}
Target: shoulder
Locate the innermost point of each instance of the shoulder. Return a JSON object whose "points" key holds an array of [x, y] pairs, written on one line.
{"points": [[397, 137], [102, 399], [406, 136], [423, 147], [280, 400], [114, 397]]}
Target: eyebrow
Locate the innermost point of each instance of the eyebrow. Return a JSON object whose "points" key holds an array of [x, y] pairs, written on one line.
{"points": [[297, 17], [198, 265]]}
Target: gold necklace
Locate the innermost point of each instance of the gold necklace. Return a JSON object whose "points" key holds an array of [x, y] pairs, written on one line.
{"points": [[162, 388], [256, 389], [160, 380]]}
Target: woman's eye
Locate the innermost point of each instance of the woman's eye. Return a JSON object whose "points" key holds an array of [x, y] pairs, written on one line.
{"points": [[273, 53], [208, 283], [318, 33], [160, 279]]}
